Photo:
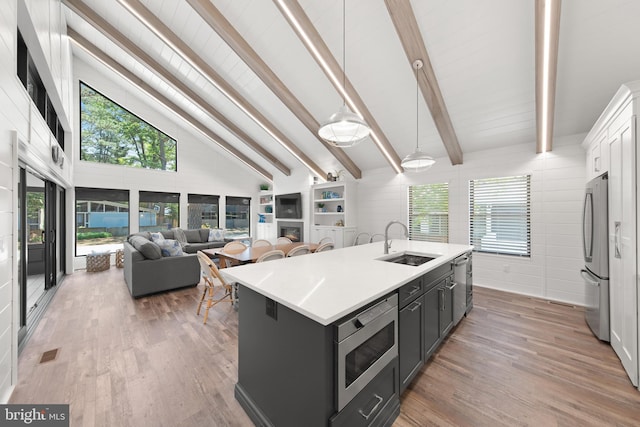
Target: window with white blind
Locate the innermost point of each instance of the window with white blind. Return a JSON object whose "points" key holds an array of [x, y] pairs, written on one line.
{"points": [[500, 215], [429, 212]]}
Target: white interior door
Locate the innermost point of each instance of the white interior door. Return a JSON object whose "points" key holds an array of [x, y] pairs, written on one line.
{"points": [[622, 248]]}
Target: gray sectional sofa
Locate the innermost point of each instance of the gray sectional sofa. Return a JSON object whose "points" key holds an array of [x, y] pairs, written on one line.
{"points": [[147, 271]]}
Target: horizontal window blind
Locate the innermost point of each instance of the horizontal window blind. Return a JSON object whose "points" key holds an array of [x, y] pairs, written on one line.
{"points": [[156, 197], [99, 194], [500, 215], [203, 198], [429, 212]]}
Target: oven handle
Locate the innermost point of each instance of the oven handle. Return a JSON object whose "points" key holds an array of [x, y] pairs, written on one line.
{"points": [[374, 409]]}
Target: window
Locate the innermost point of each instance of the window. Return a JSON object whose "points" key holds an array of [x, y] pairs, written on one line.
{"points": [[202, 211], [111, 134], [429, 212], [102, 219], [500, 215], [159, 211], [237, 216]]}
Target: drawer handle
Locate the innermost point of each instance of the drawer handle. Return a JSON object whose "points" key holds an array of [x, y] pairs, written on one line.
{"points": [[374, 409], [415, 306], [413, 290]]}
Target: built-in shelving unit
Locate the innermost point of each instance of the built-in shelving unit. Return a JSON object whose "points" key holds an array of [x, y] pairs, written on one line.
{"points": [[266, 230], [333, 212]]}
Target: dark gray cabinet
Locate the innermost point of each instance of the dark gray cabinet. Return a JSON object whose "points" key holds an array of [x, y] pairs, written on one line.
{"points": [[411, 340], [431, 320], [425, 318]]}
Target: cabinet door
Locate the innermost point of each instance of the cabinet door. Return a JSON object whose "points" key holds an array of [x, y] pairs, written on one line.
{"points": [[622, 248], [431, 321], [446, 307], [411, 350]]}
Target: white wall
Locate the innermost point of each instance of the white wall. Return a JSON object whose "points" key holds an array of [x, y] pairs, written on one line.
{"points": [[557, 186], [202, 167], [25, 136]]}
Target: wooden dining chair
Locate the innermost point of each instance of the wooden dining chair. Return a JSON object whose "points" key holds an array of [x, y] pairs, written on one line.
{"points": [[271, 255], [361, 239], [299, 250], [234, 247], [283, 241], [326, 239], [260, 243], [211, 276], [328, 246]]}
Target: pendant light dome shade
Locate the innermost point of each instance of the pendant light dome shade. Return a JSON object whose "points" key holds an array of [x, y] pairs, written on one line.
{"points": [[344, 128], [417, 161]]}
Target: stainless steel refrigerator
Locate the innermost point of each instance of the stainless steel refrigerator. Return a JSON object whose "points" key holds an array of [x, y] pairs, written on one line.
{"points": [[596, 256]]}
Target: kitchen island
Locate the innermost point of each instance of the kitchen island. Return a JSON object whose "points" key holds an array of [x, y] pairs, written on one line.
{"points": [[292, 321]]}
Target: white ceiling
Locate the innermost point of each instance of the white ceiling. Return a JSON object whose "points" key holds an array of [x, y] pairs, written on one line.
{"points": [[482, 53]]}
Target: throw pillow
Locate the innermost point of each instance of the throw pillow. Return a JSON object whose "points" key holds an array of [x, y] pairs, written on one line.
{"points": [[146, 247], [157, 237], [216, 235], [170, 247], [178, 233]]}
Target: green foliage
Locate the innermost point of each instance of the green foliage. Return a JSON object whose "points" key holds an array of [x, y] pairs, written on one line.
{"points": [[111, 134], [92, 235]]}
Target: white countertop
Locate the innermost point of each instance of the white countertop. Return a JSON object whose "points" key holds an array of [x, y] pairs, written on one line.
{"points": [[329, 285]]}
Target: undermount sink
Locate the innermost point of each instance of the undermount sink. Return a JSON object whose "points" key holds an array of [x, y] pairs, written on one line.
{"points": [[408, 258]]}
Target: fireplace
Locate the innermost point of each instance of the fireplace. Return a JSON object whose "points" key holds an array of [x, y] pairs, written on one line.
{"points": [[291, 229]]}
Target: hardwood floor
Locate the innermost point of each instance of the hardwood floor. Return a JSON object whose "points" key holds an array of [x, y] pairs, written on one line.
{"points": [[151, 362]]}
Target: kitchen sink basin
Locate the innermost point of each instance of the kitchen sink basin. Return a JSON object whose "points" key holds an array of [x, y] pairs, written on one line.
{"points": [[408, 259]]}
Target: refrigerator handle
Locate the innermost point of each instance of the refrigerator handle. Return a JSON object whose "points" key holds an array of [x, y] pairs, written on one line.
{"points": [[617, 240], [587, 226], [587, 277]]}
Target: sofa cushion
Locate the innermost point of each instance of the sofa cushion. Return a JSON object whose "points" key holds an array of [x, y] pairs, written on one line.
{"points": [[178, 234], [146, 247], [170, 247], [204, 234], [168, 234], [144, 234], [157, 237], [193, 236], [216, 235]]}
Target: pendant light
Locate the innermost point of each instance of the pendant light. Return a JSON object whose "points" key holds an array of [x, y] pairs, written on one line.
{"points": [[417, 161], [344, 128]]}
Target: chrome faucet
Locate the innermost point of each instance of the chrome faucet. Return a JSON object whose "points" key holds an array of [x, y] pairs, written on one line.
{"points": [[387, 245]]}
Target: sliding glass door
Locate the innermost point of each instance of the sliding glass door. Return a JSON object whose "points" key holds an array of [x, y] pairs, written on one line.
{"points": [[38, 245]]}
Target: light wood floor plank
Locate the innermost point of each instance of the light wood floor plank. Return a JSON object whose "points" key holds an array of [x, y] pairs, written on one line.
{"points": [[515, 361]]}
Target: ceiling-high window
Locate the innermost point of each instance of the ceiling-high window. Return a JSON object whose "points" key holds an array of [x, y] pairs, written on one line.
{"points": [[111, 134], [500, 215], [429, 212]]}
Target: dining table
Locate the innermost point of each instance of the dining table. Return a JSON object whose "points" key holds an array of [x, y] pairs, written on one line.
{"points": [[251, 254]]}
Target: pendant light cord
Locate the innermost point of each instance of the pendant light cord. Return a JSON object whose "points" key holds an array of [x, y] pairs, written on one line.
{"points": [[417, 104], [344, 49]]}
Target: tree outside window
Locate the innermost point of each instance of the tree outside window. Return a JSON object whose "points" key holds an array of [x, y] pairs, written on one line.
{"points": [[111, 134]]}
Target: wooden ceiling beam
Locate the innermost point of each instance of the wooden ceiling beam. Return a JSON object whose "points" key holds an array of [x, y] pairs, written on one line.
{"points": [[304, 29], [412, 41], [187, 54], [232, 37], [119, 39], [140, 55], [546, 70], [145, 87]]}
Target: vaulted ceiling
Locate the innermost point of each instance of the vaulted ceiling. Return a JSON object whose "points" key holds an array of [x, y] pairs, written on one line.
{"points": [[240, 72]]}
